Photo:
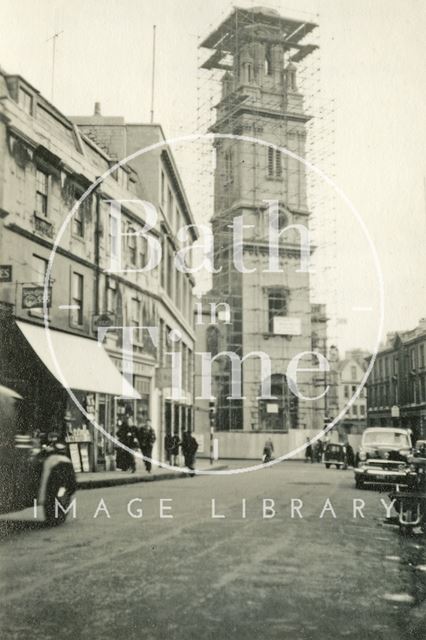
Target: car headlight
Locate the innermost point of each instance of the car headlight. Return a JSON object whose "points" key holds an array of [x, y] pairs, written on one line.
{"points": [[387, 455], [362, 455], [402, 467], [412, 467]]}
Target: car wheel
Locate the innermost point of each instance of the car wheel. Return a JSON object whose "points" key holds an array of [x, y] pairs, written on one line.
{"points": [[327, 466], [58, 489], [359, 484]]}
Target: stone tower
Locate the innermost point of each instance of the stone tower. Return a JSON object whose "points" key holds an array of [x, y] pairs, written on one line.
{"points": [[258, 50]]}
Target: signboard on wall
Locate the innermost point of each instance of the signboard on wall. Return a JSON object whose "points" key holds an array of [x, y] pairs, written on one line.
{"points": [[5, 273], [284, 326], [272, 407], [32, 297]]}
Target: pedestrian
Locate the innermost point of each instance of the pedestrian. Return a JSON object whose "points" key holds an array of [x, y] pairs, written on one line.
{"points": [[268, 450], [168, 446], [147, 438], [174, 452], [308, 451], [350, 456], [189, 449], [125, 460], [318, 451]]}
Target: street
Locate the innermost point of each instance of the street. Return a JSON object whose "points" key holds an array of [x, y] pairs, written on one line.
{"points": [[197, 576]]}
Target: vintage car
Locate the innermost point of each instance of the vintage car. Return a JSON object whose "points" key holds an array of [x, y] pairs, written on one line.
{"points": [[383, 457], [420, 448], [32, 468], [335, 454]]}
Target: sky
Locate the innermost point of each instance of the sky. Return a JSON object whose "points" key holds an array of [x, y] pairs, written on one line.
{"points": [[372, 76]]}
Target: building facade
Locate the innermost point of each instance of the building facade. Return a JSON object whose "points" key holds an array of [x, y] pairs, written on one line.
{"points": [[270, 310], [397, 383], [162, 186], [99, 281], [345, 377]]}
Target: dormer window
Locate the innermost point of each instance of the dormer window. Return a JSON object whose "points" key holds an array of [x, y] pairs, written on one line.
{"points": [[25, 100]]}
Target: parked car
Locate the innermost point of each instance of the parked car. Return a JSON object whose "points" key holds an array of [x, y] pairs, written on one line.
{"points": [[335, 454], [383, 457], [420, 448], [32, 468]]}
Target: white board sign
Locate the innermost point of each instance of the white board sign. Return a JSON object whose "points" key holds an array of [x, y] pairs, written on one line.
{"points": [[284, 326], [272, 407]]}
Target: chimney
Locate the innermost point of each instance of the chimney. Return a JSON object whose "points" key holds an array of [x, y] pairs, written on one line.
{"points": [[97, 108]]}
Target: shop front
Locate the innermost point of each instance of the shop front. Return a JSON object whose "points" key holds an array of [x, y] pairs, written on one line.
{"points": [[85, 388]]}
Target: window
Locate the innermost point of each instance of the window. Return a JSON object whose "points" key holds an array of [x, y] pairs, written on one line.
{"points": [[131, 245], [114, 235], [268, 61], [422, 355], [25, 100], [169, 270], [135, 320], [177, 219], [354, 410], [184, 367], [277, 306], [135, 312], [42, 183], [169, 205], [275, 167], [353, 373], [249, 72], [161, 344], [229, 172], [77, 299], [39, 269], [413, 358], [346, 391], [111, 300], [362, 409], [143, 243], [78, 221], [163, 189]]}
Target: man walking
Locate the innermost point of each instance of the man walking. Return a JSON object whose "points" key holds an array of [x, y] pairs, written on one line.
{"points": [[147, 438], [189, 449]]}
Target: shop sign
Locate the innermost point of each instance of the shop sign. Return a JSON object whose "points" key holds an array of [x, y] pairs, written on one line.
{"points": [[103, 320], [32, 297], [5, 273]]}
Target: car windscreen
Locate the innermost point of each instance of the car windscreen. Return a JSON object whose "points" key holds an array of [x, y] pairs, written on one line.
{"points": [[391, 438]]}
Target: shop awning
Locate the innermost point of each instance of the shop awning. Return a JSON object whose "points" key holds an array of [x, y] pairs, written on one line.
{"points": [[84, 363]]}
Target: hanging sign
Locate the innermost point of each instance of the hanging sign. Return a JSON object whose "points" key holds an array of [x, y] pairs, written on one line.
{"points": [[32, 297], [5, 273]]}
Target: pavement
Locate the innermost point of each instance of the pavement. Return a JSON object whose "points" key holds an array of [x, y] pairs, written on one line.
{"points": [[116, 478], [161, 560]]}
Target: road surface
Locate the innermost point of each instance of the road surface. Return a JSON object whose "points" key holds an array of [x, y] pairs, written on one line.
{"points": [[265, 575]]}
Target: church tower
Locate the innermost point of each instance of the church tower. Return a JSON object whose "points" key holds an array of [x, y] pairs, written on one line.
{"points": [[260, 111]]}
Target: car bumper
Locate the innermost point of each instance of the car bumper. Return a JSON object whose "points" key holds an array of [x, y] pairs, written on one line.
{"points": [[381, 476]]}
